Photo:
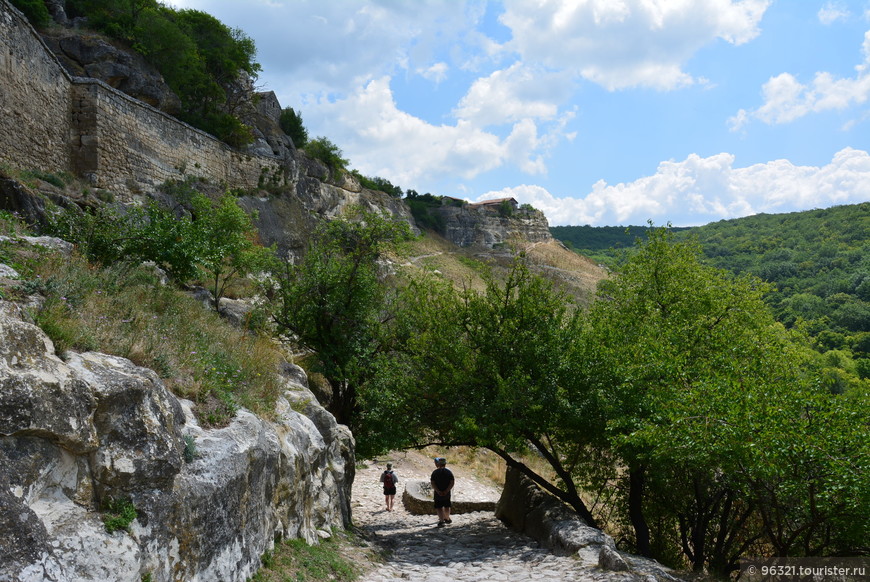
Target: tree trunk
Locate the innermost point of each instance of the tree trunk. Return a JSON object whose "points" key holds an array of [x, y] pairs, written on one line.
{"points": [[636, 482]]}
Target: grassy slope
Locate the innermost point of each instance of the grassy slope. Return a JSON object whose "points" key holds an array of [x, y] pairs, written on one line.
{"points": [[575, 274]]}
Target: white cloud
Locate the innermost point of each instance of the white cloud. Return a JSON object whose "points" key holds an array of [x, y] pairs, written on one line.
{"points": [[381, 140], [515, 93], [699, 190], [832, 12], [627, 43], [787, 99], [310, 48], [435, 73]]}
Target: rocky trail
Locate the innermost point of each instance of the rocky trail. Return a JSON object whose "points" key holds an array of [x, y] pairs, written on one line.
{"points": [[476, 547]]}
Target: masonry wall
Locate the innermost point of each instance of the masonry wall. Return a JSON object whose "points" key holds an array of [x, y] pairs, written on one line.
{"points": [[128, 146], [34, 99], [52, 122]]}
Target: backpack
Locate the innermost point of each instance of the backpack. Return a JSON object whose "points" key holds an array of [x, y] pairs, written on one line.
{"points": [[389, 480]]}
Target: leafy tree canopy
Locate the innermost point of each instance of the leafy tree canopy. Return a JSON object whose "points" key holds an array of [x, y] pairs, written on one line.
{"points": [[817, 261], [335, 302]]}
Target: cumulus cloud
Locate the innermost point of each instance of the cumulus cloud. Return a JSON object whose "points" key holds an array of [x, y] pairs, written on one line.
{"points": [[787, 99], [372, 129], [436, 73], [627, 43], [699, 190], [514, 93]]}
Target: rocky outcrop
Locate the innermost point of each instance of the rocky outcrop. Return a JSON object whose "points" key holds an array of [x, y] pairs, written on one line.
{"points": [[485, 225], [91, 56], [264, 120], [288, 218], [79, 431], [525, 508]]}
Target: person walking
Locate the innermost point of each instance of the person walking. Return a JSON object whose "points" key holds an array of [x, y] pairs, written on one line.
{"points": [[442, 483], [389, 479]]}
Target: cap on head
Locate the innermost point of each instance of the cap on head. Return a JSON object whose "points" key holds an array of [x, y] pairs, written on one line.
{"points": [[389, 465], [440, 461]]}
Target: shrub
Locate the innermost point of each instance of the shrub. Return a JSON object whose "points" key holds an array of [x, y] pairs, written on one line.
{"points": [[118, 514], [505, 209], [327, 152], [190, 452], [378, 183]]}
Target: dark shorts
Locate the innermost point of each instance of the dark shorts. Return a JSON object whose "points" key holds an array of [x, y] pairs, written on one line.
{"points": [[389, 490], [442, 501]]}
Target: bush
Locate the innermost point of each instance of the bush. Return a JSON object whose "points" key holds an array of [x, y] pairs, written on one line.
{"points": [[327, 152], [118, 514]]}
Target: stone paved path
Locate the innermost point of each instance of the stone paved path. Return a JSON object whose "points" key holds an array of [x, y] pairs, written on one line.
{"points": [[475, 548]]}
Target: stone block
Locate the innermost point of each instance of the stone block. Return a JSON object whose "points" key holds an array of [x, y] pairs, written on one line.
{"points": [[417, 499]]}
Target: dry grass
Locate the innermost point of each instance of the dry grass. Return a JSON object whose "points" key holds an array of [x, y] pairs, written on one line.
{"points": [[127, 312], [466, 267]]}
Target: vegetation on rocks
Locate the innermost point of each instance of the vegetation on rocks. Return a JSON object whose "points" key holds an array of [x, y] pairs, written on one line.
{"points": [[126, 309], [321, 148], [291, 124]]}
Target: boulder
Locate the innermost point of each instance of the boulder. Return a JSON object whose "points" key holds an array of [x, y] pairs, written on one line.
{"points": [[609, 559], [78, 431], [16, 198]]}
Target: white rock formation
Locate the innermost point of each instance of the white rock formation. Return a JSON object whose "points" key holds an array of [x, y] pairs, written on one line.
{"points": [[78, 431]]}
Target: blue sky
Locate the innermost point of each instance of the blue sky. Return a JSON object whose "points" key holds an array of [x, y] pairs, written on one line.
{"points": [[600, 112]]}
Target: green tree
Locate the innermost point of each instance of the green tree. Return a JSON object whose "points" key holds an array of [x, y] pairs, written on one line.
{"points": [[335, 301], [117, 18], [35, 11], [665, 330], [487, 370], [225, 239], [291, 124], [714, 410]]}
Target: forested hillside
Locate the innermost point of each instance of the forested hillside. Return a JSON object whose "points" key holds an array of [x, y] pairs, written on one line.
{"points": [[818, 260]]}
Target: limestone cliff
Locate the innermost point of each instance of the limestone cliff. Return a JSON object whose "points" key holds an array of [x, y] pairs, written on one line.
{"points": [[77, 432], [492, 223]]}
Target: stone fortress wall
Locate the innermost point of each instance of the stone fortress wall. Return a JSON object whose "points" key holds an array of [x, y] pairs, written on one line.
{"points": [[52, 122]]}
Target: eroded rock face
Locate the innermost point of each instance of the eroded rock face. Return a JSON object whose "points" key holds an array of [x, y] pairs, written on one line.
{"points": [[483, 226], [78, 431]]}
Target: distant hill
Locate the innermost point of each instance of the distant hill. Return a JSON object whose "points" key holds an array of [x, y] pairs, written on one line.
{"points": [[819, 261]]}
